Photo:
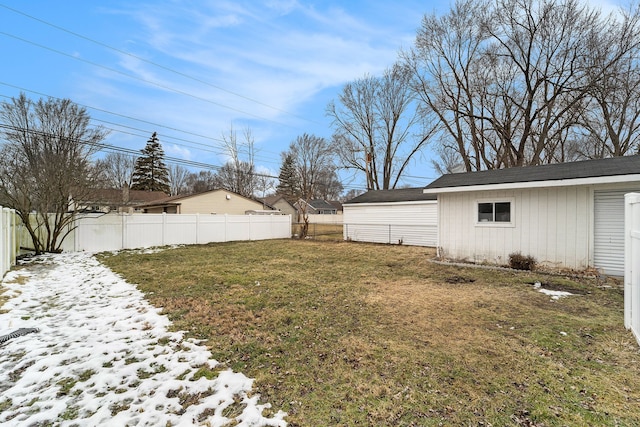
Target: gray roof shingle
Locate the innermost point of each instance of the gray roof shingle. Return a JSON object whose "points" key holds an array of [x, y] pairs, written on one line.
{"points": [[615, 166], [398, 195]]}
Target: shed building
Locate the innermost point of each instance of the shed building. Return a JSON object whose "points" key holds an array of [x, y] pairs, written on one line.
{"points": [[402, 216], [566, 215]]}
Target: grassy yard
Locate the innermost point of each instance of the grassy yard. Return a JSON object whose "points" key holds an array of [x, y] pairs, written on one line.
{"points": [[360, 334]]}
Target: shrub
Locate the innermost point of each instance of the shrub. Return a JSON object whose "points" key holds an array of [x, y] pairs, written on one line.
{"points": [[521, 262]]}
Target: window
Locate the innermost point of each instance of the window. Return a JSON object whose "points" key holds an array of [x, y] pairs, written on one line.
{"points": [[494, 212]]}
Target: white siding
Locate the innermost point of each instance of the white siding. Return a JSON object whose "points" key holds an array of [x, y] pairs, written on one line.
{"points": [[409, 223], [551, 224]]}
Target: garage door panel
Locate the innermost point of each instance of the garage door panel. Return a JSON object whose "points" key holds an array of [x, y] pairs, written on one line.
{"points": [[608, 255]]}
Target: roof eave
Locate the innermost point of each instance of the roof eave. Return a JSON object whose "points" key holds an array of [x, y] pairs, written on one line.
{"points": [[399, 202], [616, 179]]}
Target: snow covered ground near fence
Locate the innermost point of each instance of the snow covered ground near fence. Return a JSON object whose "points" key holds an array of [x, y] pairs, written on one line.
{"points": [[103, 356]]}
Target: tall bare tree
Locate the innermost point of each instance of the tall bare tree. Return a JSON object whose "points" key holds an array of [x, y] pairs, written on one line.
{"points": [[611, 119], [517, 82], [447, 53], [237, 176], [375, 123], [313, 160], [117, 169], [238, 173], [204, 180], [45, 161], [178, 179]]}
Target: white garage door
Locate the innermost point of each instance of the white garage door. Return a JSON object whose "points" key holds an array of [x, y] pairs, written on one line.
{"points": [[609, 231]]}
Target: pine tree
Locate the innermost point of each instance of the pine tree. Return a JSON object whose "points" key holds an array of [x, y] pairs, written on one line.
{"points": [[289, 183], [150, 173]]}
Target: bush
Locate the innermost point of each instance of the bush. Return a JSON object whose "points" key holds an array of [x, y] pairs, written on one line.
{"points": [[521, 262]]}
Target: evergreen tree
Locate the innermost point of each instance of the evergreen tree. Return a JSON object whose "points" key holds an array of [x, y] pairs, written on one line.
{"points": [[289, 182], [150, 173]]}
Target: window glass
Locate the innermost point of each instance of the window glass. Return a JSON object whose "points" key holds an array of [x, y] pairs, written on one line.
{"points": [[503, 212], [485, 212]]}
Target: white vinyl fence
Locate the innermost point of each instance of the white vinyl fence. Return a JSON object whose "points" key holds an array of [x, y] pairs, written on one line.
{"points": [[324, 219], [8, 240], [632, 264], [109, 232]]}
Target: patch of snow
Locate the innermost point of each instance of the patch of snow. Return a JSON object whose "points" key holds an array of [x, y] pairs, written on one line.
{"points": [[103, 356], [555, 294]]}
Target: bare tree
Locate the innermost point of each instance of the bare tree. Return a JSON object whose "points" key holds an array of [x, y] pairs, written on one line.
{"points": [[178, 179], [117, 169], [264, 183], [313, 160], [447, 53], [513, 82], [204, 180], [45, 162], [238, 174], [375, 126], [612, 118]]}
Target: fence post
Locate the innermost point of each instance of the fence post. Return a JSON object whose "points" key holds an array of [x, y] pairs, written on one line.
{"points": [[197, 227], [164, 225], [628, 228], [3, 243], [15, 246]]}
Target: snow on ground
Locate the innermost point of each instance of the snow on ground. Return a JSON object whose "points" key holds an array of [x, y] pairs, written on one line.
{"points": [[103, 356], [555, 295]]}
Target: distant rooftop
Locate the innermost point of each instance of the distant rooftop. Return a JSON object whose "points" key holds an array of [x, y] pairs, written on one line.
{"points": [[397, 195]]}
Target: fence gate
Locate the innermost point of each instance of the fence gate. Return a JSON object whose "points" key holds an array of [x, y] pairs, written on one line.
{"points": [[632, 264]]}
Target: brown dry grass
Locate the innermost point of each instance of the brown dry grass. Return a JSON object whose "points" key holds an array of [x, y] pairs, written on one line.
{"points": [[358, 334]]}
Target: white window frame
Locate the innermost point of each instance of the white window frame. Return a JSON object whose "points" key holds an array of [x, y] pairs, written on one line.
{"points": [[494, 223]]}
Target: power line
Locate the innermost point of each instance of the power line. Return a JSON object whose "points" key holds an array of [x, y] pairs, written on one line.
{"points": [[139, 58], [156, 125], [108, 147], [132, 76]]}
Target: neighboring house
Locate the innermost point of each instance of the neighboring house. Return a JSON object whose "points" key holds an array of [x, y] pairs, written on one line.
{"points": [[208, 202], [115, 200], [406, 216], [281, 204], [315, 207], [566, 215]]}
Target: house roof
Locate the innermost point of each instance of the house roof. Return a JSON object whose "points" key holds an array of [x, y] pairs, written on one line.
{"points": [[175, 200], [272, 200], [612, 170], [320, 204], [167, 201], [397, 195]]}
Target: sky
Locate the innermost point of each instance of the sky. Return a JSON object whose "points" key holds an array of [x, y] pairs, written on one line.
{"points": [[193, 70]]}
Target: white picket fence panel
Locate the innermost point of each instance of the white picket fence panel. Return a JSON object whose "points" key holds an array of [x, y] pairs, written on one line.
{"points": [[8, 240], [632, 264], [94, 233]]}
